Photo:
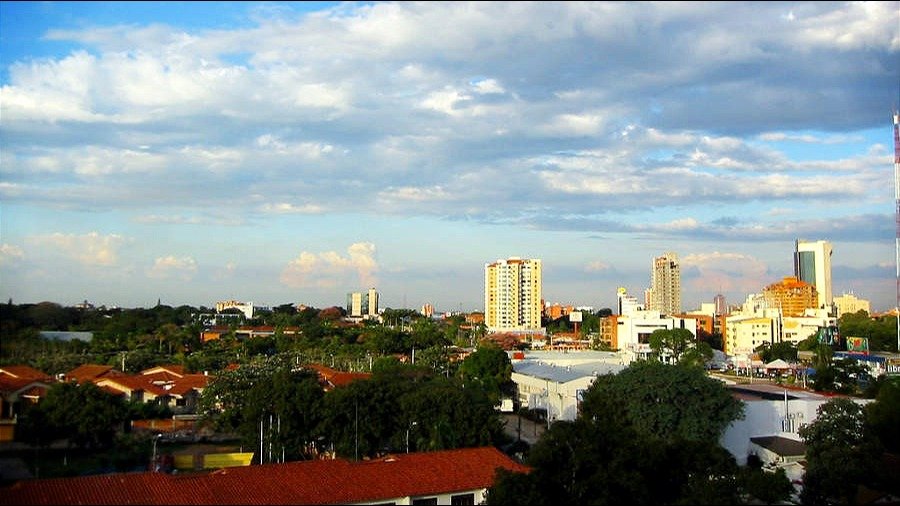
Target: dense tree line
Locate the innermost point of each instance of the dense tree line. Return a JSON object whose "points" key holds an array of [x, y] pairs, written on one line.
{"points": [[141, 338], [276, 404]]}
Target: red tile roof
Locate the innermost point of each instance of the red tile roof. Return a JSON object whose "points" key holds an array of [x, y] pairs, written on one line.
{"points": [[89, 372], [10, 385], [190, 381], [174, 369], [334, 378], [306, 482], [131, 383], [160, 377], [23, 372]]}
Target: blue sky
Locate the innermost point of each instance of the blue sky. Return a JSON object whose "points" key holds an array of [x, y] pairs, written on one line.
{"points": [[279, 153]]}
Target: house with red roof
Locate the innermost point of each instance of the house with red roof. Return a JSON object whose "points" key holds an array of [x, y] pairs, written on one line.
{"points": [[133, 387], [331, 378], [460, 476], [19, 384], [90, 372]]}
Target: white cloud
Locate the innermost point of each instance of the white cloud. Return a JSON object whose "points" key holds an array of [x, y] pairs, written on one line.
{"points": [[446, 101], [567, 113], [574, 125], [289, 208], [10, 254], [91, 249], [727, 272], [330, 269], [596, 266], [487, 87], [170, 266], [409, 193]]}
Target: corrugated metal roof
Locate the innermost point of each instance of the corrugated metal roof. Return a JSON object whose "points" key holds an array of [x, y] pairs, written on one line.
{"points": [[565, 374]]}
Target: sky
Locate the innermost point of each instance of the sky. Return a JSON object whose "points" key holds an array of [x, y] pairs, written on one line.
{"points": [[291, 153]]}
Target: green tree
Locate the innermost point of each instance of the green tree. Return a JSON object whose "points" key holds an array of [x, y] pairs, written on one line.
{"points": [[269, 400], [664, 401], [648, 435], [488, 367], [784, 350], [841, 453], [364, 418], [83, 414], [671, 342], [884, 414], [698, 355], [762, 485]]}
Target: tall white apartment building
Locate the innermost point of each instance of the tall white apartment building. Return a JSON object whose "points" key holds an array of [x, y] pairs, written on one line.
{"points": [[665, 285], [812, 263], [361, 304], [513, 300]]}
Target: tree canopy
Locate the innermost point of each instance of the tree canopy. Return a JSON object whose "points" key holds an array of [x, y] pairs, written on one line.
{"points": [[671, 402], [82, 414], [841, 453], [648, 435], [488, 367]]}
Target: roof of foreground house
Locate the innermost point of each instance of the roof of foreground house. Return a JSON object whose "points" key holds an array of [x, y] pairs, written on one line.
{"points": [[90, 372], [24, 372], [308, 482]]}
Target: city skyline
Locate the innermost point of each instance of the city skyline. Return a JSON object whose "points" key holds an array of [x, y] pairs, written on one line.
{"points": [[295, 152]]}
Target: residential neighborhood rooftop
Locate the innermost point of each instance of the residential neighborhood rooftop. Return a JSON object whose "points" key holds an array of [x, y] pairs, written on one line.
{"points": [[335, 481]]}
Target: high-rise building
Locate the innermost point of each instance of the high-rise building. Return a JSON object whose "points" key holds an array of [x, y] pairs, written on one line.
{"points": [[721, 307], [512, 295], [812, 264], [665, 285], [791, 295], [362, 304]]}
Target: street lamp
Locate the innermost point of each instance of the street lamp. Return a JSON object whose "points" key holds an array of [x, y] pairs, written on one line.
{"points": [[407, 434], [153, 463]]}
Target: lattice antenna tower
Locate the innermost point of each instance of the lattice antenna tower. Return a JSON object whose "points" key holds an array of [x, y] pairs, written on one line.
{"points": [[896, 118]]}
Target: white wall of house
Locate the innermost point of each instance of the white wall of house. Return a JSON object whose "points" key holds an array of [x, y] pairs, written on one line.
{"points": [[478, 494], [770, 418]]}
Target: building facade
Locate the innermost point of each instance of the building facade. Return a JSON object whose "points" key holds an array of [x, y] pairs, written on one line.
{"points": [[632, 332], [243, 307], [792, 296], [812, 264], [665, 285], [626, 304], [513, 299], [848, 303], [362, 304]]}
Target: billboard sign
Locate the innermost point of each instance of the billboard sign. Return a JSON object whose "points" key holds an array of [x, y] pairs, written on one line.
{"points": [[575, 316], [858, 344]]}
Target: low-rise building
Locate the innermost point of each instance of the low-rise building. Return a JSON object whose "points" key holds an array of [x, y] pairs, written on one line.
{"points": [[555, 381], [460, 476]]}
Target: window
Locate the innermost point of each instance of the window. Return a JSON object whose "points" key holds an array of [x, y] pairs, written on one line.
{"points": [[463, 499], [425, 501]]}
